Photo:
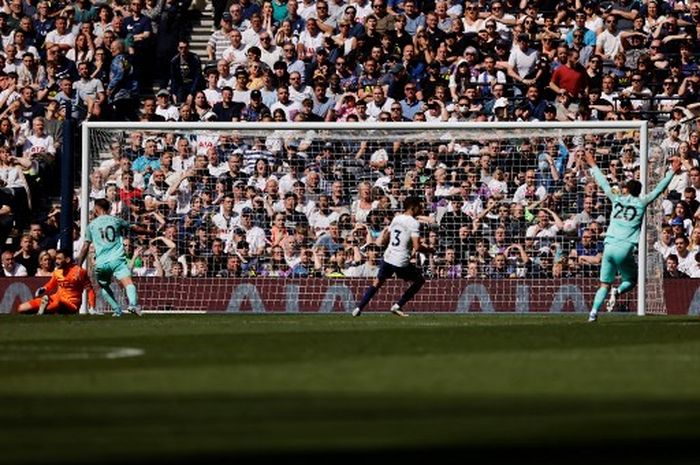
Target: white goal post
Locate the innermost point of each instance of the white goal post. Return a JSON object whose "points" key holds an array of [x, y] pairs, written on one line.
{"points": [[460, 149]]}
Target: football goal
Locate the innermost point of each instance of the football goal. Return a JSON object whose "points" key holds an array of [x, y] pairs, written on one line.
{"points": [[285, 217]]}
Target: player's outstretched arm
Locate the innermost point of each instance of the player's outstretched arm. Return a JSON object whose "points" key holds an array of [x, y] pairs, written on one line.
{"points": [[661, 186], [47, 288], [598, 175]]}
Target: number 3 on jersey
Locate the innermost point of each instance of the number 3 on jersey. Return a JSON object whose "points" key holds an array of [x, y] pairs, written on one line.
{"points": [[397, 238], [626, 213], [108, 234]]}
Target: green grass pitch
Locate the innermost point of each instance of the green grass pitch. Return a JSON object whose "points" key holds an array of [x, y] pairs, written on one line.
{"points": [[318, 388]]}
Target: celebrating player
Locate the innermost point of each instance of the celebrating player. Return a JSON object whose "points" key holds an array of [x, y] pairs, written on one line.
{"points": [[623, 233], [403, 238], [106, 232], [68, 281]]}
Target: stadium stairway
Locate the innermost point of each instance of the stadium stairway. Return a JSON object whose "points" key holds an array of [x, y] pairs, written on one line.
{"points": [[202, 27], [199, 28]]}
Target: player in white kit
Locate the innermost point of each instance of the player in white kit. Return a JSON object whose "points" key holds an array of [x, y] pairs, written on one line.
{"points": [[402, 239]]}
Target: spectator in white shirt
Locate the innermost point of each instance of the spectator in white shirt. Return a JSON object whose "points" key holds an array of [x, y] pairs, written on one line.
{"points": [[60, 36], [251, 35], [10, 268], [270, 53], [213, 91], [164, 108], [529, 191], [686, 259], [235, 54], [254, 235], [298, 92], [665, 244], [608, 43], [226, 78], [544, 229], [9, 94], [38, 145], [379, 103], [285, 104]]}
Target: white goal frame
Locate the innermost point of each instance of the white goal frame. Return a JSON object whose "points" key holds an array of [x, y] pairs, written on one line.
{"points": [[641, 126]]}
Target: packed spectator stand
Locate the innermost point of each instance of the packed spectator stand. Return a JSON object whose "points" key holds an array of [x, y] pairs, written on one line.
{"points": [[278, 207]]}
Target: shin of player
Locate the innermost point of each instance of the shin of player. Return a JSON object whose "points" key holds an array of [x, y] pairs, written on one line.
{"points": [[402, 239], [106, 233], [622, 236]]}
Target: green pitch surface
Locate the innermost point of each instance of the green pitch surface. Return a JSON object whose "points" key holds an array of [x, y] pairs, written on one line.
{"points": [[302, 389]]}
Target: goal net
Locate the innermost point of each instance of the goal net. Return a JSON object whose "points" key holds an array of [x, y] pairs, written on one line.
{"points": [[285, 218]]}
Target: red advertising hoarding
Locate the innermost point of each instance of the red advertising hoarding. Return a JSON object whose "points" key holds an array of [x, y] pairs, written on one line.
{"points": [[270, 295]]}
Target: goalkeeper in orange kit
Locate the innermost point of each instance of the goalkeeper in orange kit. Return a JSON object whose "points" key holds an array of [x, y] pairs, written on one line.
{"points": [[69, 280]]}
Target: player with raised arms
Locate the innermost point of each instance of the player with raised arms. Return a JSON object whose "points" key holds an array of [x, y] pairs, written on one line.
{"points": [[623, 231], [403, 239], [106, 232], [64, 291]]}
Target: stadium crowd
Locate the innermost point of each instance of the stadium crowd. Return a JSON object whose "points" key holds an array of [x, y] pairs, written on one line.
{"points": [[289, 204]]}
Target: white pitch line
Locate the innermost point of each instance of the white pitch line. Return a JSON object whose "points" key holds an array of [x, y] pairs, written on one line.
{"points": [[15, 353]]}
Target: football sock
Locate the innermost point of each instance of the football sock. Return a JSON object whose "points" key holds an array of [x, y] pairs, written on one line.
{"points": [[410, 292], [108, 295], [600, 298], [131, 295], [625, 286], [369, 293]]}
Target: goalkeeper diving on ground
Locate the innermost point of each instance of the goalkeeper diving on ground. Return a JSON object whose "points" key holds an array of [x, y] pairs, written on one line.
{"points": [[622, 235], [69, 280]]}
